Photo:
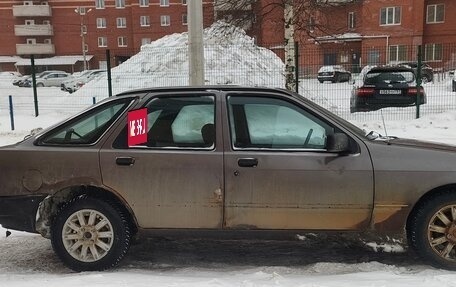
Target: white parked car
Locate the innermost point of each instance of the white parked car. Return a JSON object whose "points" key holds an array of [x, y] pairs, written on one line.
{"points": [[76, 82], [54, 79]]}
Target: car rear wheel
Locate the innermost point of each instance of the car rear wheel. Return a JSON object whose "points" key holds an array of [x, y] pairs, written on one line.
{"points": [[432, 230], [90, 234], [40, 85]]}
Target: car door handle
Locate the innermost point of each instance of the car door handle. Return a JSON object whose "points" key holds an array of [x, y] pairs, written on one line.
{"points": [[247, 162], [125, 160]]}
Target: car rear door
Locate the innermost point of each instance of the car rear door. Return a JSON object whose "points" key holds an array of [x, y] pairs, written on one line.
{"points": [[175, 179], [278, 174]]}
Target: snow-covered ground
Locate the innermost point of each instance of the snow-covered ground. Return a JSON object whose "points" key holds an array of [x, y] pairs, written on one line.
{"points": [[28, 260]]}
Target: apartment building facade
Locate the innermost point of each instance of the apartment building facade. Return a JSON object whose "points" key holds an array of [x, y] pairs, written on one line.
{"points": [[370, 32], [86, 28]]}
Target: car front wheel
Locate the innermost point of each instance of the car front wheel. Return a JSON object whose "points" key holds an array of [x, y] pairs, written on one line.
{"points": [[432, 230], [90, 234]]}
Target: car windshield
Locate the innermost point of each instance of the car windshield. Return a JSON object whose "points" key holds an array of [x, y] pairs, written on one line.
{"points": [[389, 77]]}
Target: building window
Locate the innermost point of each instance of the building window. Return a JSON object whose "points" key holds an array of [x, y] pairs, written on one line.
{"points": [[122, 41], [100, 4], [145, 41], [165, 20], [433, 52], [120, 3], [81, 10], [144, 21], [397, 53], [184, 19], [122, 22], [101, 23], [102, 42], [164, 3], [143, 3], [435, 13], [390, 16], [184, 2], [86, 48], [351, 20]]}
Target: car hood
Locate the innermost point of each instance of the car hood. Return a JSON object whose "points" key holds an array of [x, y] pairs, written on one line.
{"points": [[421, 144]]}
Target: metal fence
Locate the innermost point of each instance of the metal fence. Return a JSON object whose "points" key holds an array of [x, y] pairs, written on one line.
{"points": [[245, 64]]}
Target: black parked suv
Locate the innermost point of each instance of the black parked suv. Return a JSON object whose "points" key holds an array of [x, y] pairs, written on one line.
{"points": [[389, 86], [427, 73]]}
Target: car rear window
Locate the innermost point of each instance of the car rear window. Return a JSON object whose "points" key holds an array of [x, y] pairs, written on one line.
{"points": [[87, 128], [389, 77]]}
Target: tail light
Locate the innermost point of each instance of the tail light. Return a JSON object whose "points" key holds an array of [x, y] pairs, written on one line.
{"points": [[414, 91], [364, 92]]}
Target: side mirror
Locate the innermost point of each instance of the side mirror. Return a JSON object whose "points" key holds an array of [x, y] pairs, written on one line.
{"points": [[338, 143]]}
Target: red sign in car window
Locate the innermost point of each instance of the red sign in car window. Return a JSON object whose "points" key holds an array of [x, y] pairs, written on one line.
{"points": [[137, 127]]}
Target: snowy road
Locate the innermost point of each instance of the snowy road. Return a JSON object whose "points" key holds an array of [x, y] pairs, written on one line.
{"points": [[28, 260]]}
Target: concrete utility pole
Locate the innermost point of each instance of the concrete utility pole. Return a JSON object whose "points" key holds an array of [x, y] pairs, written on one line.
{"points": [[195, 42]]}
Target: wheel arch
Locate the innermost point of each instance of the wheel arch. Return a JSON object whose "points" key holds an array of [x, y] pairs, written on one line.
{"points": [[49, 207], [425, 198]]}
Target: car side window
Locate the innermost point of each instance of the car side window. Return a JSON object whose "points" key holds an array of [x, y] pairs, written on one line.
{"points": [[269, 123], [178, 122], [89, 127]]}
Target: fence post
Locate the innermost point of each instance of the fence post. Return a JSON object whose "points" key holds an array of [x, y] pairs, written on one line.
{"points": [[35, 93], [94, 100], [296, 48], [108, 69], [418, 83], [11, 112]]}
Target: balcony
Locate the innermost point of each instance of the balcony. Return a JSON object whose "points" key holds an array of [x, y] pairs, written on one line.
{"points": [[32, 11], [35, 49], [33, 30]]}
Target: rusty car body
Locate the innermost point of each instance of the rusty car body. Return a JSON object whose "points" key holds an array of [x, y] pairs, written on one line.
{"points": [[223, 158]]}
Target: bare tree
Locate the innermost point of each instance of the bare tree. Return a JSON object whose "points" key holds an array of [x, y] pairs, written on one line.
{"points": [[308, 17]]}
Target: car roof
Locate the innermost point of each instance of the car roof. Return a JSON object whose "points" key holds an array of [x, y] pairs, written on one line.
{"points": [[225, 88], [390, 69]]}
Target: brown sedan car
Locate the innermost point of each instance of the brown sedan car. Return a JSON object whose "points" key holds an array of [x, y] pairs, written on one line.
{"points": [[222, 159]]}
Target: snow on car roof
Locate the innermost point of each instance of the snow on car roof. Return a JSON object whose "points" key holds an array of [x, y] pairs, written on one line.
{"points": [[331, 68]]}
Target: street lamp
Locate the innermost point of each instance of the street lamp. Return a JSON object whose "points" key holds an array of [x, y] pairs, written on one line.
{"points": [[82, 12]]}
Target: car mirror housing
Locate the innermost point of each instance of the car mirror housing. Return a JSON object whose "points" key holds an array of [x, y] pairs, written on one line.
{"points": [[338, 143]]}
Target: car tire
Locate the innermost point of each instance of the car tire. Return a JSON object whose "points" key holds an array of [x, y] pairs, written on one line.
{"points": [[40, 85], [90, 234], [432, 230]]}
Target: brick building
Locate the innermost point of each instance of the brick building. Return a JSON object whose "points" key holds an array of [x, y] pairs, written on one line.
{"points": [[358, 33], [52, 28]]}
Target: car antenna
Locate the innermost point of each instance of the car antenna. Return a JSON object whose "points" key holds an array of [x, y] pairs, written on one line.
{"points": [[384, 127]]}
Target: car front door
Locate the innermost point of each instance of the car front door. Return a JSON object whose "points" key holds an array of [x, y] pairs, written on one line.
{"points": [[175, 179], [279, 175]]}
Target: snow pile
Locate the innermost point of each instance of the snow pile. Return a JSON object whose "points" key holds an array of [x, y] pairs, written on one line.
{"points": [[231, 57]]}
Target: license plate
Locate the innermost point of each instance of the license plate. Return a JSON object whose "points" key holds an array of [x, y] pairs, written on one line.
{"points": [[390, 92]]}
